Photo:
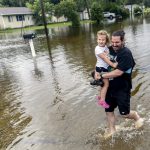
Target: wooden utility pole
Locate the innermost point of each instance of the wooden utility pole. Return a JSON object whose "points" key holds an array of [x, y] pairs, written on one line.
{"points": [[87, 7], [45, 24]]}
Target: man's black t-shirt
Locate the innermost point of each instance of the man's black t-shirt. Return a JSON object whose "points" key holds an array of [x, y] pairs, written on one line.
{"points": [[125, 63]]}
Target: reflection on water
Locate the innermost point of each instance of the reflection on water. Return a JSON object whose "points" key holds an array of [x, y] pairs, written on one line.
{"points": [[46, 102], [37, 73], [12, 118]]}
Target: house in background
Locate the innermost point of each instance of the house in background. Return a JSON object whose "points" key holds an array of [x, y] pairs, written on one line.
{"points": [[18, 17], [83, 15], [15, 17], [132, 7]]}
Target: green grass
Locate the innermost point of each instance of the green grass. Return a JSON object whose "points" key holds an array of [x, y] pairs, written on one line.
{"points": [[52, 25]]}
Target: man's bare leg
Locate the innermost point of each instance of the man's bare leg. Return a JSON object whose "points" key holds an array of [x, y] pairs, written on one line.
{"points": [[133, 115], [111, 123], [138, 120]]}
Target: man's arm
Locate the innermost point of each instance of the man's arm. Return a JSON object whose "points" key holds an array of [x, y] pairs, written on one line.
{"points": [[112, 74]]}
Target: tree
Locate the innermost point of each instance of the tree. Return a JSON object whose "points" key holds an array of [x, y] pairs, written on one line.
{"points": [[137, 11], [14, 3], [36, 8], [96, 12], [147, 12], [82, 5], [121, 2], [68, 9]]}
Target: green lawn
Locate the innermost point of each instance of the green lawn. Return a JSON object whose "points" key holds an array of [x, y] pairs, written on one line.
{"points": [[52, 25]]}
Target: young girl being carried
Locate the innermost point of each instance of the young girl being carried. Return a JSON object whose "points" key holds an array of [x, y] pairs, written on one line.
{"points": [[102, 64]]}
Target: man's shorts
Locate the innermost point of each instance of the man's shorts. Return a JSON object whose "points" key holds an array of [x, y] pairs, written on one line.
{"points": [[119, 98]]}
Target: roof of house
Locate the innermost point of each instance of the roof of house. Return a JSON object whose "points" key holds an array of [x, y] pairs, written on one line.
{"points": [[15, 11]]}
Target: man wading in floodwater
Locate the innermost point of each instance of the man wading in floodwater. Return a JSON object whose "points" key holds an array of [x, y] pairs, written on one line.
{"points": [[120, 83]]}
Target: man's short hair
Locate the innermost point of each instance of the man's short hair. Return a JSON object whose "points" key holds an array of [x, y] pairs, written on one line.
{"points": [[120, 33]]}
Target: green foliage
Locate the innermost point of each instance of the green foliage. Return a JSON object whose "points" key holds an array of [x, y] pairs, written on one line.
{"points": [[124, 12], [81, 5], [58, 11], [96, 12], [74, 18], [68, 9], [111, 7], [36, 8], [67, 6], [1, 4], [137, 11], [13, 3], [147, 12], [122, 2]]}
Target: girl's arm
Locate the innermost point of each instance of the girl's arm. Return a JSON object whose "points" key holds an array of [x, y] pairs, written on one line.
{"points": [[106, 59]]}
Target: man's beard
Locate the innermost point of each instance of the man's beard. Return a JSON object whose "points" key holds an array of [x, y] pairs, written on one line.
{"points": [[116, 47]]}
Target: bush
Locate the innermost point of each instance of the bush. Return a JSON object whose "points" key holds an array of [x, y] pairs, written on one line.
{"points": [[147, 12], [96, 12], [137, 11], [125, 12], [69, 10]]}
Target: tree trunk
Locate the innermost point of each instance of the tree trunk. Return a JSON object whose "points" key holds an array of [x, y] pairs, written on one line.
{"points": [[87, 7]]}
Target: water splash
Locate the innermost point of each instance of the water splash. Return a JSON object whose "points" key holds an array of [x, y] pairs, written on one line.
{"points": [[126, 135]]}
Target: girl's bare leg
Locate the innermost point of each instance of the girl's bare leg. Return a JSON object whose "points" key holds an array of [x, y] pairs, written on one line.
{"points": [[104, 89]]}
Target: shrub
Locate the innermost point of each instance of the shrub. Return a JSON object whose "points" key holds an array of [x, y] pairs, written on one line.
{"points": [[147, 12], [69, 10], [96, 12], [124, 12], [137, 11]]}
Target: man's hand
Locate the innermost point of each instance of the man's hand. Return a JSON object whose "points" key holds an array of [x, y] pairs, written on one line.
{"points": [[97, 75], [115, 65]]}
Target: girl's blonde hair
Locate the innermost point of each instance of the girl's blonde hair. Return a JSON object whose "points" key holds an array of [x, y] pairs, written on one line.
{"points": [[103, 32]]}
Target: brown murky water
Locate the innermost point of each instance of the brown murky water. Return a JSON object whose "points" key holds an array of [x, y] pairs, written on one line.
{"points": [[47, 103]]}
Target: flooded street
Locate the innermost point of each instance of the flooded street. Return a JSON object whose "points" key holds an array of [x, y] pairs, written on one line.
{"points": [[47, 103]]}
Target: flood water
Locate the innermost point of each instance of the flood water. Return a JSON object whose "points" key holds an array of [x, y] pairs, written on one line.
{"points": [[47, 103]]}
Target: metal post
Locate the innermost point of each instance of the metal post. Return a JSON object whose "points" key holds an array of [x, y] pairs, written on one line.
{"points": [[32, 47]]}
